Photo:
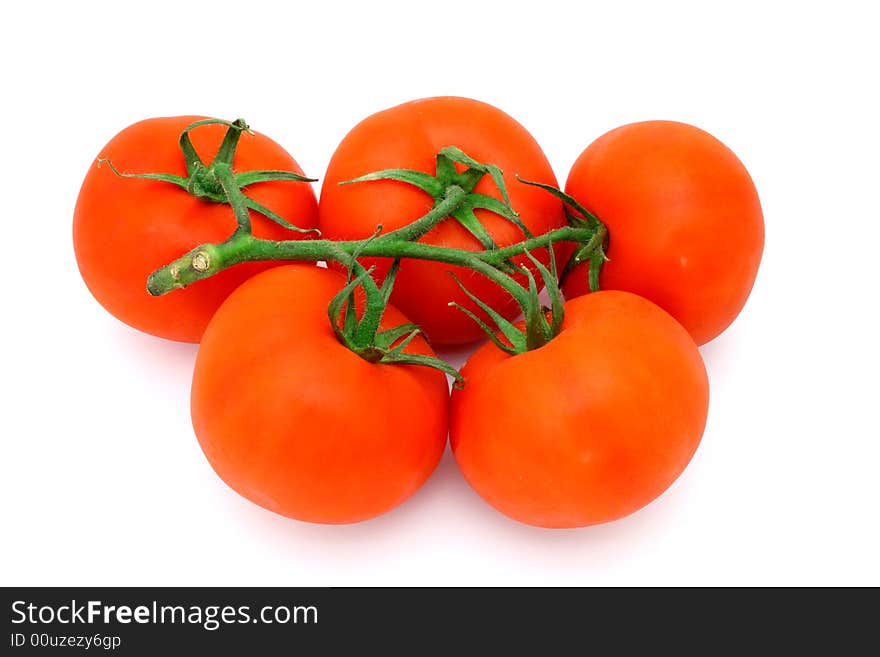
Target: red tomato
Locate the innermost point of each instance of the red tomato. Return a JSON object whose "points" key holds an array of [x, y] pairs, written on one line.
{"points": [[588, 428], [124, 228], [408, 137], [684, 220], [295, 422]]}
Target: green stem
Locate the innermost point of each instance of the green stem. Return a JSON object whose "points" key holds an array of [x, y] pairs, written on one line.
{"points": [[234, 195], [452, 200], [208, 259], [453, 197]]}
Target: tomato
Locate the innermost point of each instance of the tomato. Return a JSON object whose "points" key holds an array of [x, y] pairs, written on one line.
{"points": [[685, 223], [124, 228], [588, 428], [409, 136], [294, 421]]}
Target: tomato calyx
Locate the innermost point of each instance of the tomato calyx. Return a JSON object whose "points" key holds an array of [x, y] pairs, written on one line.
{"points": [[363, 336], [541, 325], [579, 217], [211, 182], [447, 179]]}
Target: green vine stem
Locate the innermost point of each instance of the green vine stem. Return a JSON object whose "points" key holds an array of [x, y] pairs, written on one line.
{"points": [[207, 260], [453, 197]]}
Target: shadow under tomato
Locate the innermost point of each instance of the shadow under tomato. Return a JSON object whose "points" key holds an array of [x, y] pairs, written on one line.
{"points": [[151, 353], [447, 507]]}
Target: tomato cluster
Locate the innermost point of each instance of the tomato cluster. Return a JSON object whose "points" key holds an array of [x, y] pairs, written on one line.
{"points": [[331, 415]]}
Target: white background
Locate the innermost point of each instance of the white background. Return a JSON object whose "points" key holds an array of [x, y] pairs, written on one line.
{"points": [[102, 480]]}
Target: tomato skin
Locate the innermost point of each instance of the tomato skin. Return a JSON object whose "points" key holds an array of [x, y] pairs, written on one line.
{"points": [[592, 426], [685, 222], [124, 229], [295, 422], [409, 136]]}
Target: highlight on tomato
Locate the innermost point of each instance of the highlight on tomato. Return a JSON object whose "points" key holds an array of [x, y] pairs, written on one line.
{"points": [[403, 143], [685, 222], [296, 421], [591, 426], [157, 190]]}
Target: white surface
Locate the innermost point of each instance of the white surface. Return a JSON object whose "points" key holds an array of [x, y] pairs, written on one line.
{"points": [[102, 479]]}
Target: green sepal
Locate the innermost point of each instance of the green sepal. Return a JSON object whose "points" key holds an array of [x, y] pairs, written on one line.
{"points": [[226, 152], [460, 157], [277, 218], [390, 277], [538, 330], [212, 183], [551, 284], [446, 177], [161, 177], [246, 178], [374, 307], [349, 319], [593, 253], [363, 337], [345, 296], [410, 336], [594, 256], [424, 181], [492, 204], [424, 361], [587, 217], [513, 334], [537, 327], [191, 157], [597, 260], [486, 329], [385, 339], [466, 217]]}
